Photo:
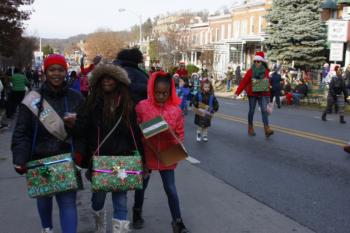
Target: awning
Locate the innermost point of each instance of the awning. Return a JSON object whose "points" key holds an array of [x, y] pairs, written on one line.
{"points": [[329, 4]]}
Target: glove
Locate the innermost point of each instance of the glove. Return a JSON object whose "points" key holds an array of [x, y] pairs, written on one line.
{"points": [[20, 169]]}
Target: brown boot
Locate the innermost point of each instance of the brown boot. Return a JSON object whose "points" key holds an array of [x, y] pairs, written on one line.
{"points": [[251, 130], [268, 131], [347, 148]]}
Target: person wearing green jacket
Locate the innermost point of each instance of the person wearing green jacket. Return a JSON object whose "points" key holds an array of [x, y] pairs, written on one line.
{"points": [[19, 82]]}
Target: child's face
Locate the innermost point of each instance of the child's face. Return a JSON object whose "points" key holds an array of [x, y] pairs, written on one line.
{"points": [[161, 92], [206, 88], [181, 83]]}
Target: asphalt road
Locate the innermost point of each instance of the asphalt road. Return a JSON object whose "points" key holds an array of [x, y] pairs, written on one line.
{"points": [[301, 171]]}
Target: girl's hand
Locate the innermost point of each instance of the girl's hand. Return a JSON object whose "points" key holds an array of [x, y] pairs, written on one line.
{"points": [[69, 119]]}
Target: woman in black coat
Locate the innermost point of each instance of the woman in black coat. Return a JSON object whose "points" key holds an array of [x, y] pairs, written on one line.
{"points": [[32, 141]]}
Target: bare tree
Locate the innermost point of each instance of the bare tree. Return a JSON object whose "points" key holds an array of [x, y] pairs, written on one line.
{"points": [[105, 43]]}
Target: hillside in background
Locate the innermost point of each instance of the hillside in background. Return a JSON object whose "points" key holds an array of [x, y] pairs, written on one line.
{"points": [[62, 44]]}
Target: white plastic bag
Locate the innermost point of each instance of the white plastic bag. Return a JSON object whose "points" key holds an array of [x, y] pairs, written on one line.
{"points": [[269, 108]]}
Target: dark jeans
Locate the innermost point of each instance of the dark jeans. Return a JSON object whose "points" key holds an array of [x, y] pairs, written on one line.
{"points": [[68, 211], [276, 94], [15, 99], [168, 178], [262, 101], [119, 199]]}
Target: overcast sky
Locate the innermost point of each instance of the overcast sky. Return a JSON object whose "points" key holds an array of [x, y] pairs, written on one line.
{"points": [[65, 18]]}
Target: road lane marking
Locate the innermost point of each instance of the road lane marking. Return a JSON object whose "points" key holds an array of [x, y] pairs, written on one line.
{"points": [[298, 133], [192, 160]]}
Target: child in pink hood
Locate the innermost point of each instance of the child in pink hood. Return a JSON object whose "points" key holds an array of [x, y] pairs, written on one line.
{"points": [[162, 101]]}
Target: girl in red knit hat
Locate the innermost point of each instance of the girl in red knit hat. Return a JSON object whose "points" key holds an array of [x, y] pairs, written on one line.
{"points": [[256, 83], [34, 139]]}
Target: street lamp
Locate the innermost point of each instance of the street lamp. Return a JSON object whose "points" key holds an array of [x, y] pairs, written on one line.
{"points": [[140, 18]]}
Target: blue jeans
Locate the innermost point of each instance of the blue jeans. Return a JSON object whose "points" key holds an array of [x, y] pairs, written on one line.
{"points": [[228, 85], [296, 98], [168, 178], [68, 211], [262, 101], [119, 199]]}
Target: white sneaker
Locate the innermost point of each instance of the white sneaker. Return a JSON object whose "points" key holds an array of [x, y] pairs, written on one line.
{"points": [[199, 138], [100, 218], [205, 138], [120, 226], [47, 230]]}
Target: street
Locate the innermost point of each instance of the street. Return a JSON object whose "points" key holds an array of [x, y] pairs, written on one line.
{"points": [[295, 181]]}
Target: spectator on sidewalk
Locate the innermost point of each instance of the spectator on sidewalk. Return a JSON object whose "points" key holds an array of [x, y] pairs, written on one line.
{"points": [[337, 94], [162, 100], [257, 73], [19, 84], [181, 71], [300, 91], [347, 78], [85, 74], [32, 141], [229, 78], [238, 75]]}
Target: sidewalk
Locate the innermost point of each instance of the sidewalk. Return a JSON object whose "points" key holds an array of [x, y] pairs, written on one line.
{"points": [[208, 204]]}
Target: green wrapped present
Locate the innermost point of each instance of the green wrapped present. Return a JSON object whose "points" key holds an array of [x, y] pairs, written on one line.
{"points": [[52, 175], [260, 85], [117, 173], [154, 127]]}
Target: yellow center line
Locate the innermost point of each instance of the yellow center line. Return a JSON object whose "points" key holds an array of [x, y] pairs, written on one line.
{"points": [[298, 133]]}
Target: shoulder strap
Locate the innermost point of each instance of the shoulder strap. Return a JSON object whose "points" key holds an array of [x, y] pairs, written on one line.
{"points": [[48, 117], [97, 151]]}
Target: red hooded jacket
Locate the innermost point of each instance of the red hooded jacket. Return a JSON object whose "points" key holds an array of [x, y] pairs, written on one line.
{"points": [[148, 109]]}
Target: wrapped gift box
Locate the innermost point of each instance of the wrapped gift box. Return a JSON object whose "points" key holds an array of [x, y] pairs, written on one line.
{"points": [[154, 126], [52, 175], [117, 173], [260, 85]]}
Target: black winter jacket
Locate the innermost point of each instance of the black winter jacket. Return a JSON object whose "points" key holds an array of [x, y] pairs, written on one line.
{"points": [[138, 78], [46, 144], [92, 128], [203, 121]]}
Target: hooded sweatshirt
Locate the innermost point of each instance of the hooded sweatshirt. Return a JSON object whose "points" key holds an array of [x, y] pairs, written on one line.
{"points": [[148, 109]]}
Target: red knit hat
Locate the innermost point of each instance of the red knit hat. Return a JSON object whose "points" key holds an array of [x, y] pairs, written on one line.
{"points": [[260, 56], [55, 59]]}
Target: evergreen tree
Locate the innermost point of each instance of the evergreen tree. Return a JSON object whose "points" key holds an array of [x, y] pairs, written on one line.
{"points": [[296, 33]]}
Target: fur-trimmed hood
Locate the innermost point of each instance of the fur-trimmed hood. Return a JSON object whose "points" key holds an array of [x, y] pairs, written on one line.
{"points": [[102, 70]]}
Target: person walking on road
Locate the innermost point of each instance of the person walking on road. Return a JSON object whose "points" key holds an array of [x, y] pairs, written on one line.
{"points": [[109, 100], [31, 140], [162, 101], [206, 101], [256, 84], [276, 82], [337, 95]]}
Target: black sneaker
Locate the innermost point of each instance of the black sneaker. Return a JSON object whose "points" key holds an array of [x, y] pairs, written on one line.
{"points": [[179, 227], [137, 220]]}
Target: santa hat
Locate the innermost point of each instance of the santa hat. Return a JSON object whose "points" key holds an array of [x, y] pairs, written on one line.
{"points": [[260, 56], [55, 59]]}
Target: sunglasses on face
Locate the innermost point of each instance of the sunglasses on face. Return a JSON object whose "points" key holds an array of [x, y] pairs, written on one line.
{"points": [[257, 61]]}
